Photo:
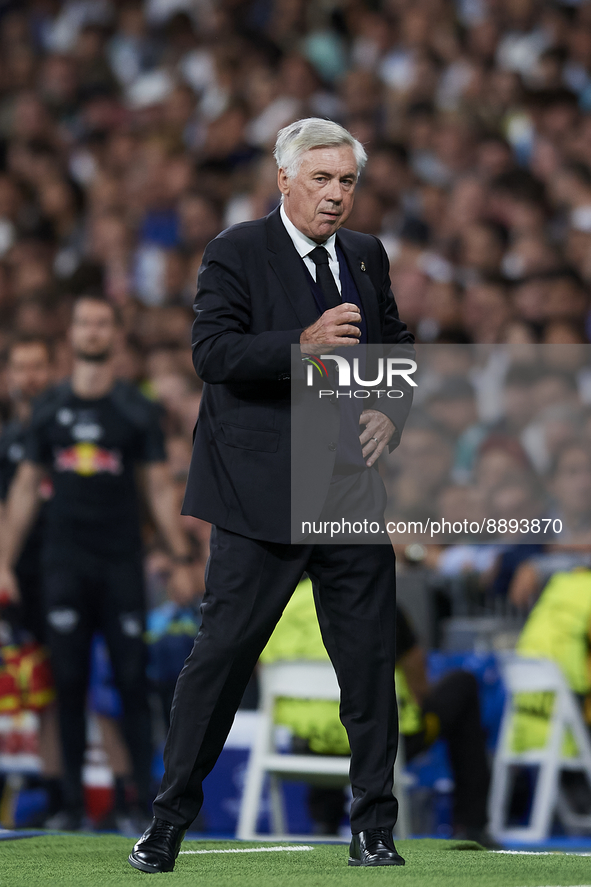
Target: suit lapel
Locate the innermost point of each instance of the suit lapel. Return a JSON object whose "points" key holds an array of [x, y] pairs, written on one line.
{"points": [[356, 259], [287, 265]]}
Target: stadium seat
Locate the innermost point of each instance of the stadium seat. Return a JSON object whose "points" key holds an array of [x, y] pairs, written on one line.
{"points": [[296, 680], [565, 727]]}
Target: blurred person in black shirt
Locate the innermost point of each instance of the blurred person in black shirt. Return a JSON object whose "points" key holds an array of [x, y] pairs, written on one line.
{"points": [[28, 374], [92, 434], [448, 709]]}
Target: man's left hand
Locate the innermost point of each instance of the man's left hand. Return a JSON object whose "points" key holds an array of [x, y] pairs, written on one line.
{"points": [[377, 434]]}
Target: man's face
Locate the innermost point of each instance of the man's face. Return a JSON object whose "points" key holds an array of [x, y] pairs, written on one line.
{"points": [[319, 198], [93, 330], [28, 371]]}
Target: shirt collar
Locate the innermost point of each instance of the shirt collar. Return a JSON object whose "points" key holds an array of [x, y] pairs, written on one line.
{"points": [[304, 244]]}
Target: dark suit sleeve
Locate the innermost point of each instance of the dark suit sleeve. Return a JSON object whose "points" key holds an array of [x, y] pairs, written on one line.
{"points": [[224, 349], [395, 333], [394, 330]]}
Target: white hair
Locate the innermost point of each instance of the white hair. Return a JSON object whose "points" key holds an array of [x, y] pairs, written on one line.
{"points": [[313, 132]]}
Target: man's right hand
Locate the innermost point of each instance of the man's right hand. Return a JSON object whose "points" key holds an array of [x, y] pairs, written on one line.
{"points": [[9, 591], [335, 327]]}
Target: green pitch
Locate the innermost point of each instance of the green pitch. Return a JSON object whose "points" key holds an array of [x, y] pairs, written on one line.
{"points": [[88, 861]]}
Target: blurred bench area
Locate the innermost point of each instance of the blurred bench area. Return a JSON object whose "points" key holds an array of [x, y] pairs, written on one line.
{"points": [[466, 611]]}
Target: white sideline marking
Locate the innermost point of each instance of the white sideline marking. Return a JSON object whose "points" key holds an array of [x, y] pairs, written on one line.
{"points": [[539, 853], [249, 850]]}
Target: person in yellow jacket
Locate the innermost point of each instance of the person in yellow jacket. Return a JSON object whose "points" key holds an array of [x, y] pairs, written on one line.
{"points": [[449, 709], [558, 628]]}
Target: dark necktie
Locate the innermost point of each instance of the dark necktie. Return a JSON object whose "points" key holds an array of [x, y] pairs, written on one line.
{"points": [[324, 277]]}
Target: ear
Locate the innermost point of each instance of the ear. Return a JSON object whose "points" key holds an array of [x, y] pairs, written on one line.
{"points": [[283, 181]]}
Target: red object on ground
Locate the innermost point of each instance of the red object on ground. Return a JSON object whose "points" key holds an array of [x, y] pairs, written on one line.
{"points": [[98, 801]]}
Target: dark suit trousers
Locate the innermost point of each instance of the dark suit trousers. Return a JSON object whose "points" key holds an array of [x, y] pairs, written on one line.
{"points": [[248, 584]]}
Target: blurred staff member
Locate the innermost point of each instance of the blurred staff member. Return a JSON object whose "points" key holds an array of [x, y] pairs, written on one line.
{"points": [[28, 374], [91, 433], [535, 572], [558, 628], [448, 709]]}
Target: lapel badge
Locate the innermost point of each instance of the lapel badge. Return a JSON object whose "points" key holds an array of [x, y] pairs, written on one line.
{"points": [[363, 268]]}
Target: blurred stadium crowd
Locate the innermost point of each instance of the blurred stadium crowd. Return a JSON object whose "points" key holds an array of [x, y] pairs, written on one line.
{"points": [[131, 133], [500, 438]]}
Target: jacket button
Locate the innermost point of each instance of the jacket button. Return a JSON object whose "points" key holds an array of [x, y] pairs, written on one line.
{"points": [[332, 447]]}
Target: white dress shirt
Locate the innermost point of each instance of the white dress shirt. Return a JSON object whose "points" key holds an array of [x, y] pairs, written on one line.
{"points": [[305, 245]]}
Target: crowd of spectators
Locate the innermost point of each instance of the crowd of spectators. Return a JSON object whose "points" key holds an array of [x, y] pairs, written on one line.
{"points": [[498, 445], [131, 133]]}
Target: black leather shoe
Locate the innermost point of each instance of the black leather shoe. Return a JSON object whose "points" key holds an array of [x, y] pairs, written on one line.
{"points": [[374, 846], [158, 847]]}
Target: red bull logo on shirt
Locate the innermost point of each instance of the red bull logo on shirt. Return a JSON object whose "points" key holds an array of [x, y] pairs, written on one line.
{"points": [[87, 459]]}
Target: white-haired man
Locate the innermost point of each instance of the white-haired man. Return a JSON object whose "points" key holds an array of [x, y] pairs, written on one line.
{"points": [[264, 286]]}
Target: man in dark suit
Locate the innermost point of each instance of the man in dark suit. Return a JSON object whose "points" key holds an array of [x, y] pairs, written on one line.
{"points": [[264, 286]]}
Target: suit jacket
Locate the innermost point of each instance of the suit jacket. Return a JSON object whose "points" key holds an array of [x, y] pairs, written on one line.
{"points": [[252, 303]]}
